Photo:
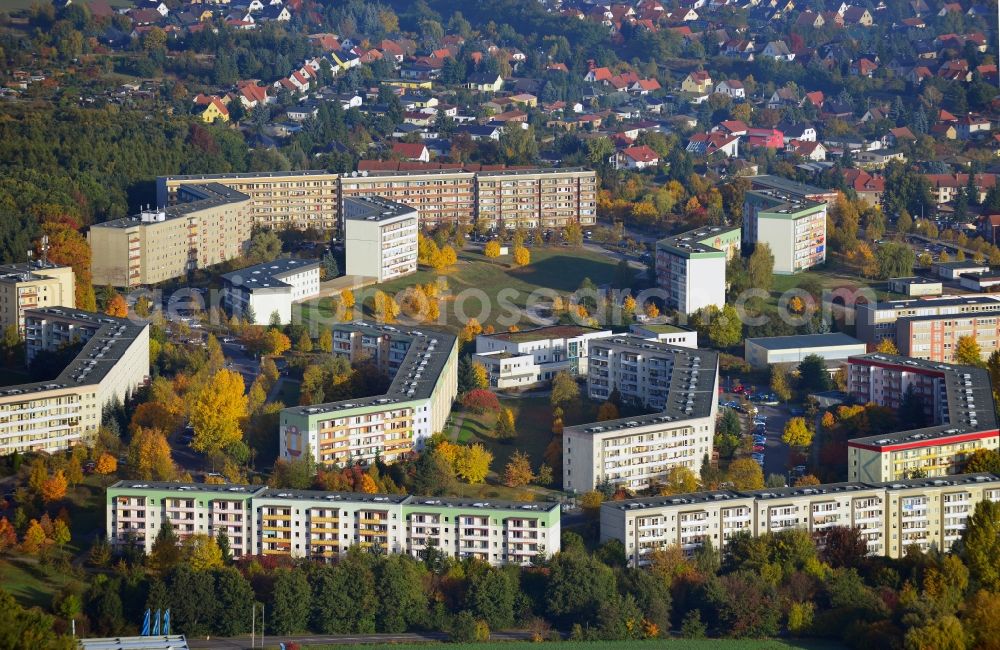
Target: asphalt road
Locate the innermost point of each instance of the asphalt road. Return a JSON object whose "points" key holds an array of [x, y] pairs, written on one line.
{"points": [[241, 642], [776, 452]]}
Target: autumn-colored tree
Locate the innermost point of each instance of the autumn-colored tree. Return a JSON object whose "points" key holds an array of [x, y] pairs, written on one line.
{"points": [[275, 343], [367, 484], [518, 470], [153, 415], [797, 433], [470, 330], [522, 256], [305, 342], [679, 480], [149, 456], [67, 247], [968, 352], [218, 412], [481, 400], [492, 249], [591, 502], [8, 536], [652, 311], [54, 487], [806, 480], [607, 411], [325, 341], [117, 306], [202, 552], [473, 464], [34, 538], [828, 421], [779, 384], [745, 474], [886, 346], [448, 257], [796, 305], [480, 376], [106, 464], [347, 298], [386, 308], [629, 305]]}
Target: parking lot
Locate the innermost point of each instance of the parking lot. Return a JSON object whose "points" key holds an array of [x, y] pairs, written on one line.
{"points": [[775, 451]]}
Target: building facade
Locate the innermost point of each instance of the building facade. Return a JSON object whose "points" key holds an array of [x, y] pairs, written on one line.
{"points": [[765, 351], [525, 358], [957, 412], [638, 452], [268, 291], [53, 415], [794, 228], [380, 238], [926, 513], [300, 200], [32, 285], [691, 267], [929, 329], [323, 525], [424, 370], [210, 224]]}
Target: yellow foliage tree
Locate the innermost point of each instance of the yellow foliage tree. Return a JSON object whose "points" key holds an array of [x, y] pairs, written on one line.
{"points": [[218, 412], [471, 330], [797, 433], [347, 298], [276, 343], [448, 256], [149, 456], [522, 256], [368, 485], [473, 463], [325, 342], [202, 552], [652, 311], [492, 249], [518, 470], [680, 480], [886, 346], [386, 307], [34, 538], [480, 375], [106, 464], [54, 487], [746, 474], [629, 305], [117, 306]]}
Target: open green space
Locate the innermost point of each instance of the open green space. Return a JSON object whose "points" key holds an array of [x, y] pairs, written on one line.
{"points": [[31, 583], [671, 644], [557, 268]]}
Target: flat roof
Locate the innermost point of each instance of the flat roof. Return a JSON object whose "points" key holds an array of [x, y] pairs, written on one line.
{"points": [[833, 339], [938, 301], [968, 393], [982, 275], [375, 208], [779, 202], [27, 271], [693, 241], [279, 174], [832, 489], [109, 338], [427, 352], [661, 328], [771, 181], [206, 195], [916, 280], [268, 274], [963, 264], [168, 642], [542, 333]]}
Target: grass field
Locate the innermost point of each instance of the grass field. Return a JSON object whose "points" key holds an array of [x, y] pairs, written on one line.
{"points": [[476, 280], [668, 644]]}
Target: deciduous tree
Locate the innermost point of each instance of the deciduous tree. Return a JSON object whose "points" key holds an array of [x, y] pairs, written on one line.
{"points": [[518, 470], [218, 412], [149, 456], [968, 352], [473, 463], [522, 256], [117, 306], [797, 433], [745, 474]]}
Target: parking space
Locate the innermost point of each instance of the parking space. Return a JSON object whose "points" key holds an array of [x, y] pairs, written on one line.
{"points": [[765, 422]]}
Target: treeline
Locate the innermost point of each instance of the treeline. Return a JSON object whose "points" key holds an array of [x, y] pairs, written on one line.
{"points": [[782, 583]]}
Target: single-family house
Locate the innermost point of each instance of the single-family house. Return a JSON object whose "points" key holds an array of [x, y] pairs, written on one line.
{"points": [[639, 157], [697, 82], [731, 87]]}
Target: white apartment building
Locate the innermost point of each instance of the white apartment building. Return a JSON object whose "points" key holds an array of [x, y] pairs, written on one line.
{"points": [[424, 370], [270, 289], [793, 227], [928, 513], [638, 452], [525, 358], [323, 525], [666, 333], [691, 267], [380, 238], [65, 411], [33, 284]]}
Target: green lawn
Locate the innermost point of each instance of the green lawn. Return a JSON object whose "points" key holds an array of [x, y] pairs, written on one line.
{"points": [[670, 644], [29, 582], [560, 269]]}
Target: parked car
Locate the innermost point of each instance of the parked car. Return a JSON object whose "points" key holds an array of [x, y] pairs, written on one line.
{"points": [[759, 440], [758, 448]]}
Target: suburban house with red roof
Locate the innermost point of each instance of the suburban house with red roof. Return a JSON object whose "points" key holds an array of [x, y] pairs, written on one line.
{"points": [[639, 157], [415, 151]]}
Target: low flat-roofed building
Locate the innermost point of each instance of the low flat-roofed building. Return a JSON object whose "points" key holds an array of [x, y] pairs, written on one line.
{"points": [[324, 525], [666, 333], [268, 291], [982, 281], [835, 346], [916, 286], [423, 365], [953, 270], [380, 238], [930, 513], [528, 357], [33, 284], [53, 415], [958, 411]]}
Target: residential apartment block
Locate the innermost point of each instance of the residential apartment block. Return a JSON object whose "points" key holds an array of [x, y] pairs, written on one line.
{"points": [[269, 290], [930, 328], [380, 238], [691, 267], [33, 284], [525, 358], [57, 414], [638, 452], [892, 516], [423, 365], [794, 228], [209, 225], [500, 198], [323, 525], [958, 411], [300, 200]]}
